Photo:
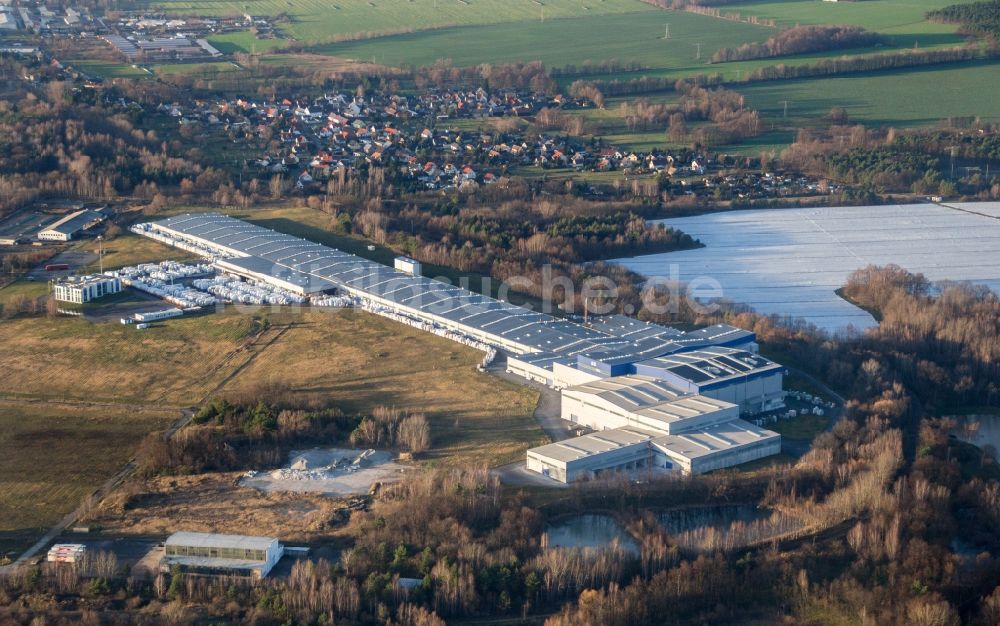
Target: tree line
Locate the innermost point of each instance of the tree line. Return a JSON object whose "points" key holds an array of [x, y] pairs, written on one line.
{"points": [[260, 426], [826, 67], [801, 40], [916, 161], [870, 63]]}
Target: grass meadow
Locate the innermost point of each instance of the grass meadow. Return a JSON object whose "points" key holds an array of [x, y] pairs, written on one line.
{"points": [[636, 36], [54, 455], [318, 20], [903, 19], [131, 249], [913, 97], [81, 395], [909, 97]]}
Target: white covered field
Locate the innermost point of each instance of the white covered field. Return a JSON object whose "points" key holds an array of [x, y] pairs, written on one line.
{"points": [[791, 261]]}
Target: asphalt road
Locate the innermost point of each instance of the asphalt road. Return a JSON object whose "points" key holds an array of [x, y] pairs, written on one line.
{"points": [[549, 408], [75, 258]]}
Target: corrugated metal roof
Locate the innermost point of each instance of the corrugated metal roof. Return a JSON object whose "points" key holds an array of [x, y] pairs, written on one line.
{"points": [[716, 439], [213, 540], [73, 222], [618, 337], [710, 364]]}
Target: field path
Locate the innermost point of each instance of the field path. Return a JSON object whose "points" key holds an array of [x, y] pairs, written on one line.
{"points": [[253, 354], [70, 518], [251, 350], [246, 351]]}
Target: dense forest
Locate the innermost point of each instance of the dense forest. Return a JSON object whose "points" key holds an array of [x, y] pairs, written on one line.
{"points": [[980, 18], [917, 161], [801, 40]]}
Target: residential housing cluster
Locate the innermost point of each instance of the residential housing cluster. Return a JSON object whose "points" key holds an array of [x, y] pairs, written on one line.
{"points": [[426, 138]]}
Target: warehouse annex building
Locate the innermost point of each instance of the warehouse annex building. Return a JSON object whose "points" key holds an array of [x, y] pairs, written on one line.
{"points": [[658, 397], [646, 424], [67, 228], [210, 553]]}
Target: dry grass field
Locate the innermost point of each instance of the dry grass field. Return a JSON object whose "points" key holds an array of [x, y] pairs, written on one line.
{"points": [[172, 364], [53, 455], [211, 503], [130, 249], [80, 395], [359, 361]]}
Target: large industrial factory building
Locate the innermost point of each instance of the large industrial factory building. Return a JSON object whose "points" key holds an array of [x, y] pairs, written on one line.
{"points": [[659, 397], [642, 423]]}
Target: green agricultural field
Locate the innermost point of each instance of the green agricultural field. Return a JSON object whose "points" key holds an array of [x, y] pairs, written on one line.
{"points": [[196, 69], [245, 41], [636, 36], [317, 20], [914, 97], [905, 98], [902, 19]]}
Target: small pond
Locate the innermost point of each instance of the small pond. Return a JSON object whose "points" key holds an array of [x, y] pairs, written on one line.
{"points": [[589, 531], [677, 521], [986, 431]]}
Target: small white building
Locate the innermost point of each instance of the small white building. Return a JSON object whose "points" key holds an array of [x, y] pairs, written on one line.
{"points": [[152, 316], [407, 265], [211, 553], [83, 289], [66, 553]]}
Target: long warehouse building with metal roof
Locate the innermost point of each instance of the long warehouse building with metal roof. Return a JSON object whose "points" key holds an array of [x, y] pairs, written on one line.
{"points": [[658, 397], [310, 268]]}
